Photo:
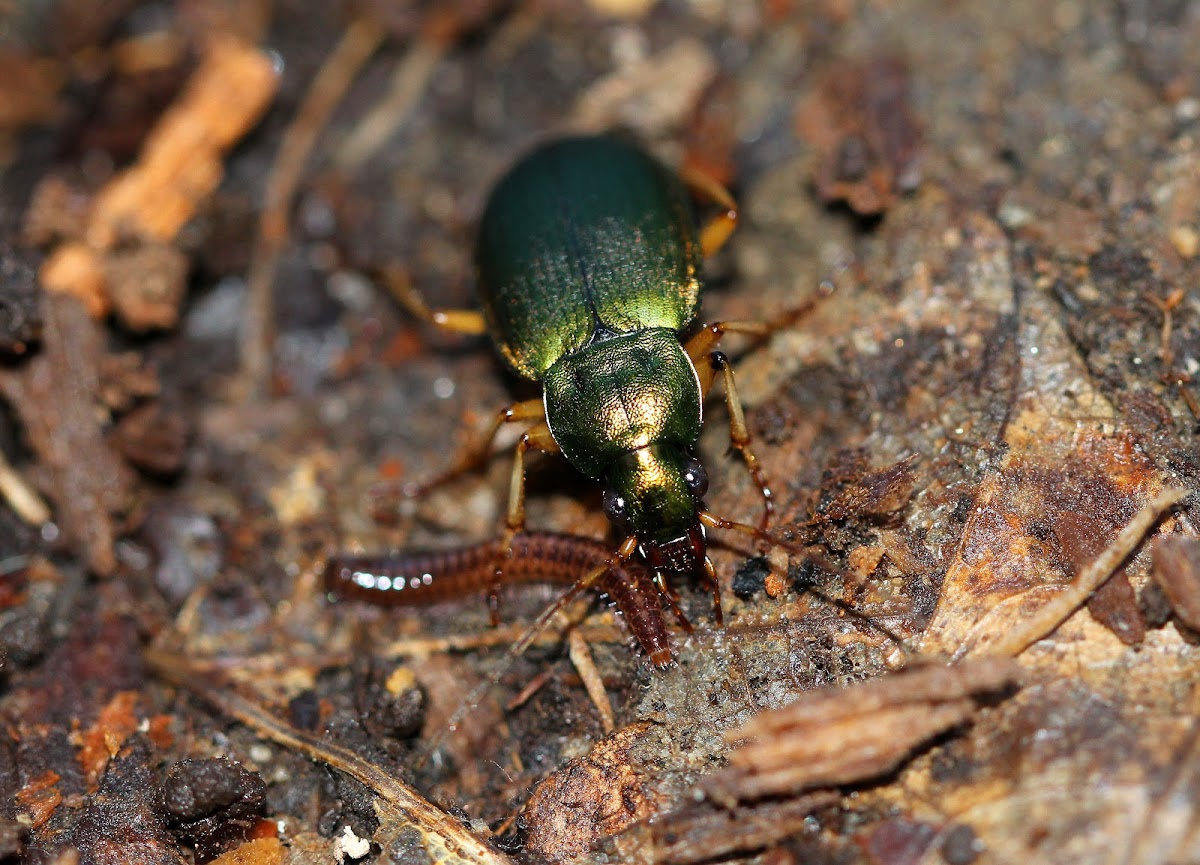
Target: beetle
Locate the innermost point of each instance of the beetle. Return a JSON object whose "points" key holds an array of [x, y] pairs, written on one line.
{"points": [[588, 267]]}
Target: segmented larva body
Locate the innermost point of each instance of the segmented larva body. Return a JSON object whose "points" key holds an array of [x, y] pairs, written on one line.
{"points": [[413, 578]]}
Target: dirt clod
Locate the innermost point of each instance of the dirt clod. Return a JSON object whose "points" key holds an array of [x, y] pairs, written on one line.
{"points": [[211, 804]]}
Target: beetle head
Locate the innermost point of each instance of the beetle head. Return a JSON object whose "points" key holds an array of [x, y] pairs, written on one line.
{"points": [[654, 492]]}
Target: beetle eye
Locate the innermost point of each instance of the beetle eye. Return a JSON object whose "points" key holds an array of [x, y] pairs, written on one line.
{"points": [[616, 510], [696, 478]]}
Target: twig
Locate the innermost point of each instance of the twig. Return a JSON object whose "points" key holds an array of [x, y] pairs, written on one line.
{"points": [[585, 665], [444, 837], [838, 735], [442, 25], [360, 40], [21, 497], [1166, 305]]}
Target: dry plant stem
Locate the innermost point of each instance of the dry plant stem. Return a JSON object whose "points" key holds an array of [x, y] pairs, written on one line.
{"points": [[409, 83], [1181, 379], [1045, 620], [21, 497], [846, 735], [1166, 306], [357, 44], [445, 838], [819, 757], [531, 687], [920, 684], [585, 665]]}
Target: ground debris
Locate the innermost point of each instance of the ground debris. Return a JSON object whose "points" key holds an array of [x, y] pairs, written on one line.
{"points": [[861, 123], [646, 95], [152, 438], [30, 93], [846, 735], [56, 396], [257, 851], [147, 285], [851, 489], [1070, 485], [1004, 382], [594, 796], [212, 804], [125, 380], [119, 824], [122, 254], [104, 739], [439, 836], [704, 831], [1177, 570], [20, 303]]}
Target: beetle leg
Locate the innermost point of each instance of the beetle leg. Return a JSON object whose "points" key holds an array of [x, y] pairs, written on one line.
{"points": [[707, 338], [475, 457], [465, 321], [537, 436], [711, 575], [716, 231], [739, 434], [702, 344]]}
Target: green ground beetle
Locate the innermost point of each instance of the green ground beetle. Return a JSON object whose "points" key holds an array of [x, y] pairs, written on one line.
{"points": [[588, 266]]}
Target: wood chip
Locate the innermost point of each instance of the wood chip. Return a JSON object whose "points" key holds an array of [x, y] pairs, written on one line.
{"points": [[147, 204], [77, 270], [260, 851], [845, 735], [180, 163], [1177, 570]]}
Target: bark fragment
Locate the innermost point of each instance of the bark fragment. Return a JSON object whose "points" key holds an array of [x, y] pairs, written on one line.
{"points": [[844, 735]]}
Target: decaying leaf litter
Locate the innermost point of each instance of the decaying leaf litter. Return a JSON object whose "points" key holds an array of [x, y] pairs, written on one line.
{"points": [[996, 401]]}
